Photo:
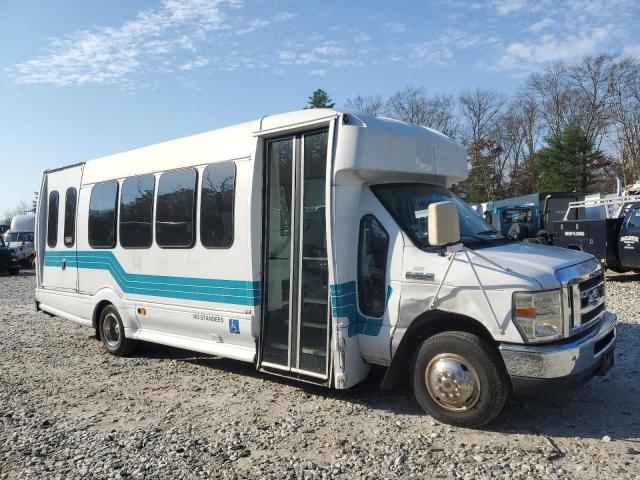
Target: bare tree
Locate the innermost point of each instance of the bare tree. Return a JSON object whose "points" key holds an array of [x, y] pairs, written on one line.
{"points": [[626, 116], [371, 104], [552, 94], [480, 110], [592, 81], [414, 105], [20, 209]]}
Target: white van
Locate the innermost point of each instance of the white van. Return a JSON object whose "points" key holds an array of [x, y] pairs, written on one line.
{"points": [[315, 244]]}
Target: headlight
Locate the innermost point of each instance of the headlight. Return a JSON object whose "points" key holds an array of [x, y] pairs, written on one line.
{"points": [[538, 315]]}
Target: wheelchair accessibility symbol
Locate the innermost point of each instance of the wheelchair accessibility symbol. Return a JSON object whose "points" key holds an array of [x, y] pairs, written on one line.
{"points": [[234, 326]]}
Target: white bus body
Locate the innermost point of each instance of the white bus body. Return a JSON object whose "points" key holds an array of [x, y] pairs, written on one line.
{"points": [[299, 242]]}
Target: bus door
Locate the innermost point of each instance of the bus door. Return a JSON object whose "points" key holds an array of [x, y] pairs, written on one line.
{"points": [[295, 331], [57, 229]]}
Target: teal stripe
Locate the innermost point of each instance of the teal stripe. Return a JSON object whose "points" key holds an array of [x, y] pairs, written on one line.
{"points": [[344, 303], [235, 292]]}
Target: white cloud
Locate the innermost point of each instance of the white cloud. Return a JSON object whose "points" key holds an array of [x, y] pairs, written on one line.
{"points": [[109, 55], [507, 7], [329, 48], [395, 27], [282, 16], [543, 24], [197, 63], [550, 48], [286, 55], [361, 38], [254, 25], [306, 58], [320, 72]]}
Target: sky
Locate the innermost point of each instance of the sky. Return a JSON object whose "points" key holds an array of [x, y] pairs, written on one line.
{"points": [[80, 79]]}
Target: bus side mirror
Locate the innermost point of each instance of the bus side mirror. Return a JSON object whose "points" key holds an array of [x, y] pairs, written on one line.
{"points": [[443, 223]]}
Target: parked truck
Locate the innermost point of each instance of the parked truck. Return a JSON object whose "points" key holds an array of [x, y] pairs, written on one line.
{"points": [[533, 214], [505, 217], [614, 240], [8, 261], [19, 238]]}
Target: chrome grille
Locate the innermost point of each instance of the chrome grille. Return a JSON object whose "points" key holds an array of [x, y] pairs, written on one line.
{"points": [[587, 300]]}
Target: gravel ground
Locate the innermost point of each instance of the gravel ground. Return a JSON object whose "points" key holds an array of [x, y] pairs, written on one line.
{"points": [[69, 410]]}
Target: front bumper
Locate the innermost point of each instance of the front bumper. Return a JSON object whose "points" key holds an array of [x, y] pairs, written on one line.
{"points": [[535, 368]]}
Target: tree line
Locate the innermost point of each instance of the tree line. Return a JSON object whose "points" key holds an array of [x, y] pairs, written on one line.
{"points": [[570, 127]]}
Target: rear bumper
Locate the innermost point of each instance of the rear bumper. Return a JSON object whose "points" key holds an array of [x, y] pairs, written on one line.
{"points": [[561, 366]]}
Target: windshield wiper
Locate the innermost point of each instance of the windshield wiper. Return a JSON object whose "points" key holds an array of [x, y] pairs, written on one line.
{"points": [[487, 232]]}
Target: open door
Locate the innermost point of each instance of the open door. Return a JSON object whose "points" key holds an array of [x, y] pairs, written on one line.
{"points": [[58, 234], [295, 320]]}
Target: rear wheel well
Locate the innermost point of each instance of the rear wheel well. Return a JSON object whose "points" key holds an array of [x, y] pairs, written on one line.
{"points": [[574, 247], [95, 319], [428, 324]]}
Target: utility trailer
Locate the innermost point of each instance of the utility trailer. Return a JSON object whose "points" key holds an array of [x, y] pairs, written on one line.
{"points": [[614, 241]]}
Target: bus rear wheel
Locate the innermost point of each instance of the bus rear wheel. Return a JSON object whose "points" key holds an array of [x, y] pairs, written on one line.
{"points": [[459, 379], [112, 333]]}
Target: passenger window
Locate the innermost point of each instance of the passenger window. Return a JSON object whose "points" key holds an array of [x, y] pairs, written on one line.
{"points": [[216, 205], [136, 212], [70, 217], [102, 215], [175, 226], [372, 266], [52, 220]]}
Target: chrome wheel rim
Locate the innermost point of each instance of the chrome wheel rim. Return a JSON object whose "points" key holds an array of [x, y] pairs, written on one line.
{"points": [[452, 382], [111, 331]]}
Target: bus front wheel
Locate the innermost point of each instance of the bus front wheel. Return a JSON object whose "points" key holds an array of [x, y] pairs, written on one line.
{"points": [[459, 379]]}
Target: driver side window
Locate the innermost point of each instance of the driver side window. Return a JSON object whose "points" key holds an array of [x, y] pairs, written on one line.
{"points": [[373, 246]]}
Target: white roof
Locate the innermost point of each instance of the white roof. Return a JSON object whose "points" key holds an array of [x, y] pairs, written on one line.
{"points": [[388, 145]]}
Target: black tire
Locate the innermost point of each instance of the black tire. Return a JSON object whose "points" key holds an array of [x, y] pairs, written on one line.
{"points": [[13, 270], [487, 371], [112, 333]]}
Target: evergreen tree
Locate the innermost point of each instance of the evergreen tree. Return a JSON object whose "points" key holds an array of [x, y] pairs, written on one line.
{"points": [[320, 99], [569, 162]]}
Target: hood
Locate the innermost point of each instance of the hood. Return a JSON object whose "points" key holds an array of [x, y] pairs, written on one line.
{"points": [[539, 262]]}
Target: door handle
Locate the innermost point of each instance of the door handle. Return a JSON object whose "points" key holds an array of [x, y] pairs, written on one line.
{"points": [[64, 263]]}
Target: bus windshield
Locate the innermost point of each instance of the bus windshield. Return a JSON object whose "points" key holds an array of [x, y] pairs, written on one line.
{"points": [[409, 204]]}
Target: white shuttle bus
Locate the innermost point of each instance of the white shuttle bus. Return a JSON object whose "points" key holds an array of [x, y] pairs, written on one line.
{"points": [[315, 244]]}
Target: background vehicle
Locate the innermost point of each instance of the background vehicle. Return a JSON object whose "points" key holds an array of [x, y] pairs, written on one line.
{"points": [[615, 241], [3, 228], [315, 244], [8, 262], [503, 218], [552, 206], [19, 238]]}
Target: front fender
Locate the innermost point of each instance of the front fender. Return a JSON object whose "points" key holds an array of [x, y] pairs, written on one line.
{"points": [[405, 341]]}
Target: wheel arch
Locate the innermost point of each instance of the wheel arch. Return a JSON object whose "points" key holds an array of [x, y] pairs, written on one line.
{"points": [[427, 324], [102, 299]]}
